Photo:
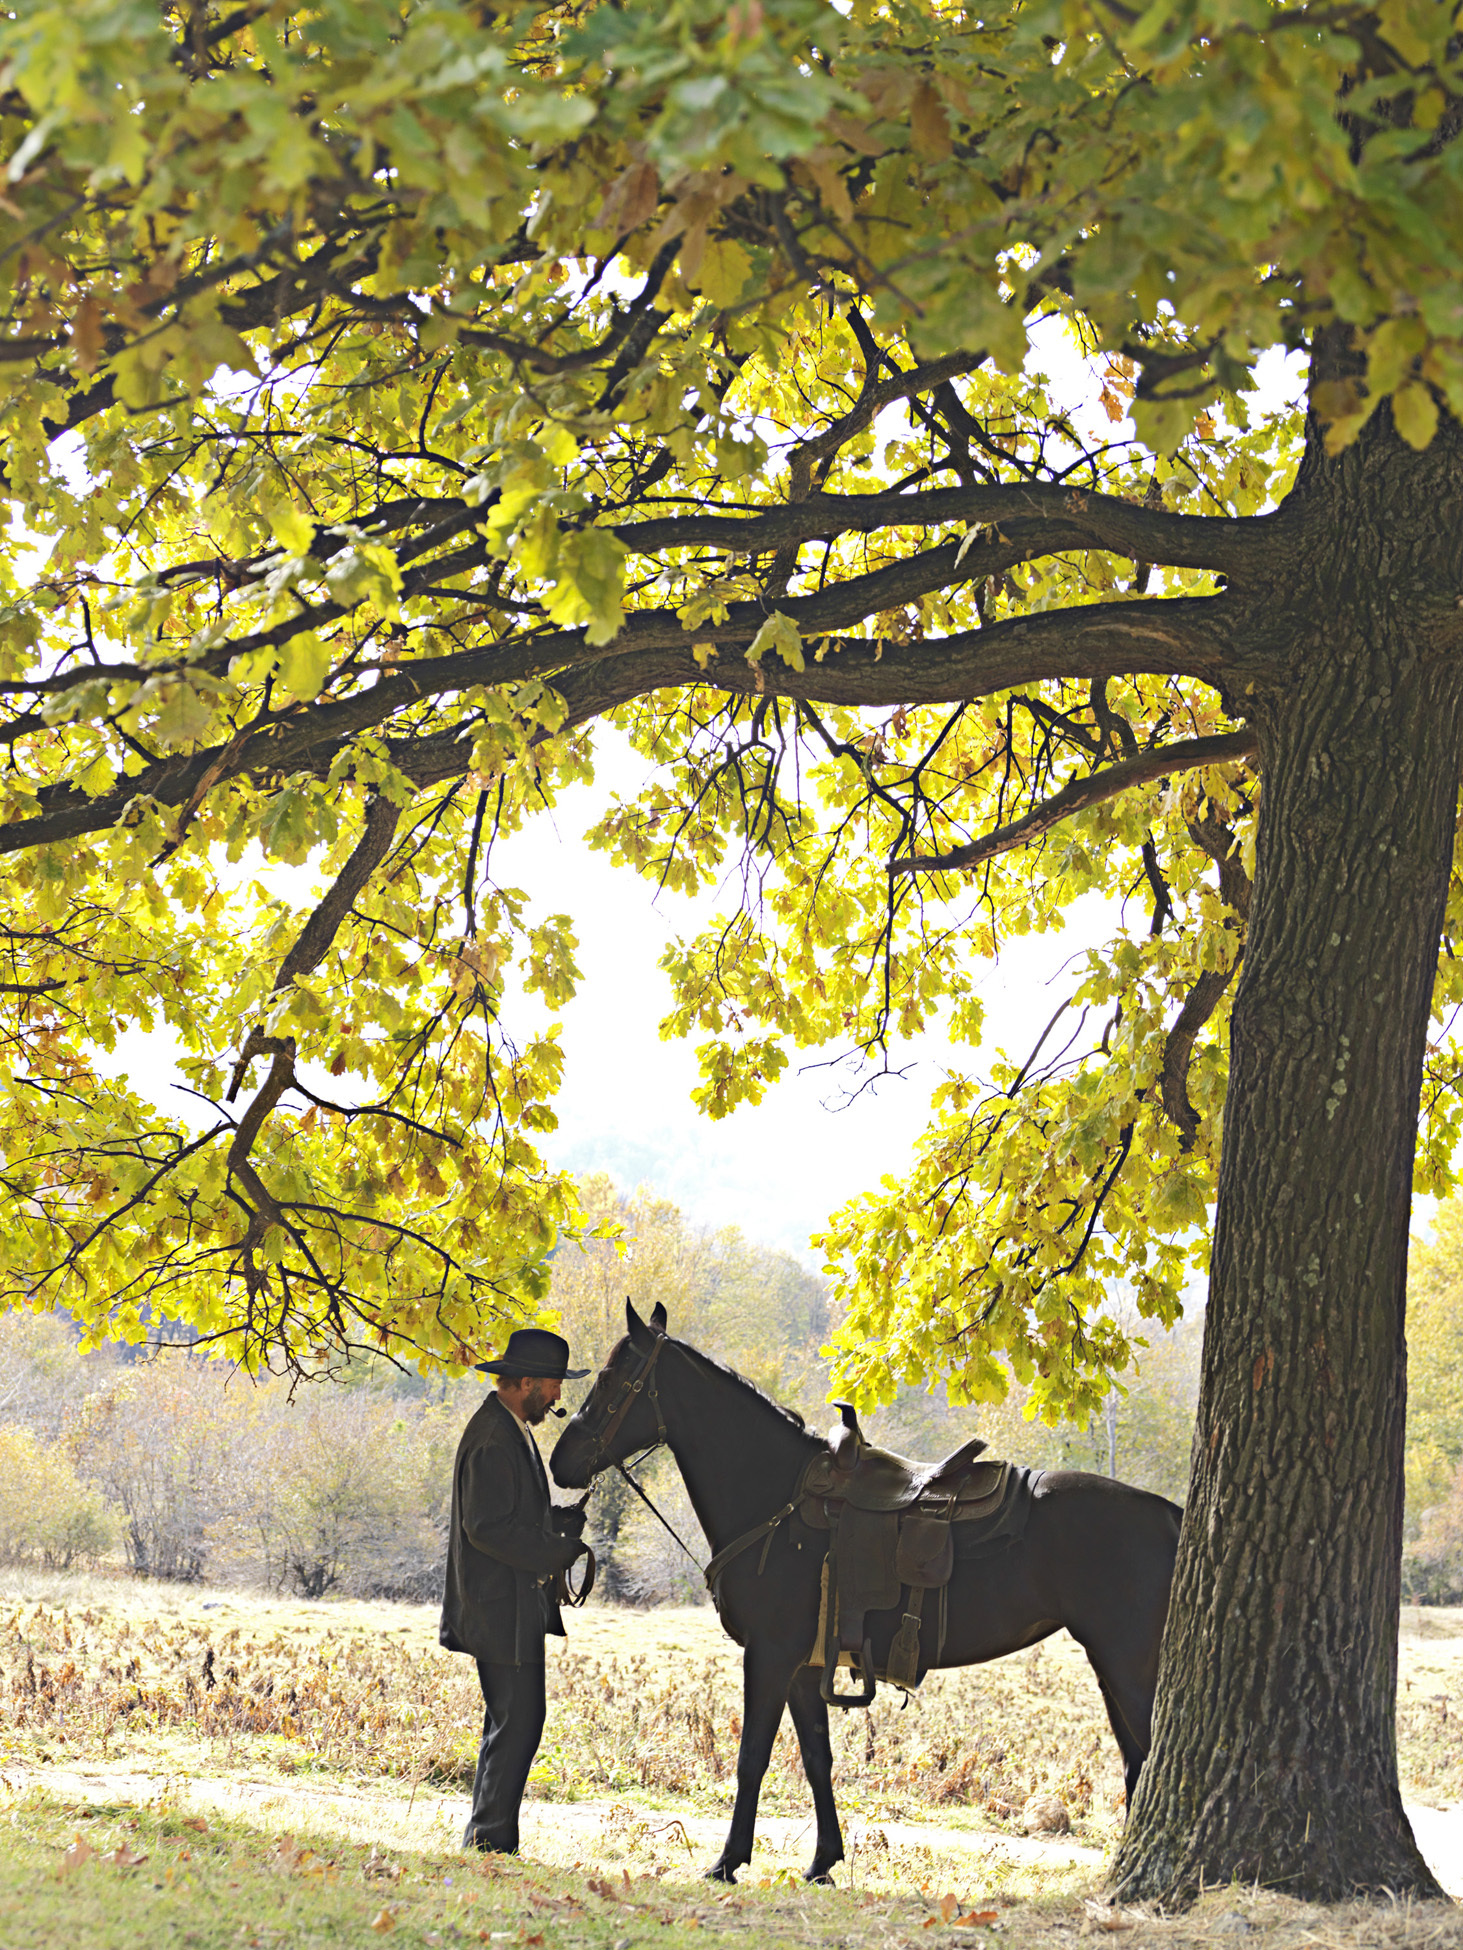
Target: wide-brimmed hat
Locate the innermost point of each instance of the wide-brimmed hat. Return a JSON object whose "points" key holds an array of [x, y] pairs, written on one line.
{"points": [[534, 1353]]}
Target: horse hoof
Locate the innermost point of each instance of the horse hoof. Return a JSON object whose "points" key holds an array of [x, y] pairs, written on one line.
{"points": [[722, 1872], [819, 1876]]}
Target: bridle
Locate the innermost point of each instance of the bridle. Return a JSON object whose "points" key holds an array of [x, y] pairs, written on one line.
{"points": [[631, 1385], [637, 1382]]}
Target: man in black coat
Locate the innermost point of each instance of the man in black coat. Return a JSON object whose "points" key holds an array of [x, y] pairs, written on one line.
{"points": [[505, 1548]]}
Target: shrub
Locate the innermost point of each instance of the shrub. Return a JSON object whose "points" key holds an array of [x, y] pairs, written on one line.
{"points": [[1432, 1562], [335, 1499], [158, 1441], [47, 1515]]}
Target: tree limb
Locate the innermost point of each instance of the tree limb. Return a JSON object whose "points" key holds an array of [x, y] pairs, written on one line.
{"points": [[1165, 636], [1106, 521], [1203, 998], [1081, 793], [313, 942]]}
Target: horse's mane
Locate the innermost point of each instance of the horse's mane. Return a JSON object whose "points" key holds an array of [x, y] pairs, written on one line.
{"points": [[751, 1388], [747, 1387]]}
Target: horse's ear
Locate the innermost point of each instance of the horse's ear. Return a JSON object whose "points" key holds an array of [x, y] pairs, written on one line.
{"points": [[634, 1326], [657, 1317]]}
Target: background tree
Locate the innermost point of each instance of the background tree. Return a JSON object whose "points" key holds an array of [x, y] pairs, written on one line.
{"points": [[161, 1450], [390, 396], [342, 1493], [47, 1514], [757, 1309], [1435, 1360]]}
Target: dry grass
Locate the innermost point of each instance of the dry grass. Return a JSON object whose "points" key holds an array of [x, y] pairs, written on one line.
{"points": [[346, 1722], [641, 1704]]}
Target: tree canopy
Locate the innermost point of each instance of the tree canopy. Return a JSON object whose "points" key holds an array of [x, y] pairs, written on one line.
{"points": [[389, 395], [392, 394]]}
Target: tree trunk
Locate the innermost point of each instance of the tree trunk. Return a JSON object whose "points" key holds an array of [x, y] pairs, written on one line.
{"points": [[1274, 1754]]}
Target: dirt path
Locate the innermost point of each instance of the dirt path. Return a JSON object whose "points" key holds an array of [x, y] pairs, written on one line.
{"points": [[562, 1833], [595, 1833]]}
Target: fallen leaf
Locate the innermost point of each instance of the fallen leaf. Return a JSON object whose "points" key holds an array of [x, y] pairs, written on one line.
{"points": [[124, 1858], [290, 1857], [79, 1853], [537, 1937], [383, 1920], [196, 1823], [1106, 1920]]}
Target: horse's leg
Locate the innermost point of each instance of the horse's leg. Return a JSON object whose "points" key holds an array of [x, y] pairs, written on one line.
{"points": [[1129, 1715], [810, 1717], [767, 1672]]}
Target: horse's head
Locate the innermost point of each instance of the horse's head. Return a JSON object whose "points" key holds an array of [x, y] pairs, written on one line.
{"points": [[621, 1413]]}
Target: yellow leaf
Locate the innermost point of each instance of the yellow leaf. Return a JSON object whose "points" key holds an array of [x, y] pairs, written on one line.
{"points": [[304, 664], [383, 1920], [929, 124], [724, 270], [291, 528], [1415, 412], [703, 653], [781, 634]]}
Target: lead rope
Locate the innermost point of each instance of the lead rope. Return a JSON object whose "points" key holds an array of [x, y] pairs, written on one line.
{"points": [[712, 1572], [652, 1509], [660, 1436]]}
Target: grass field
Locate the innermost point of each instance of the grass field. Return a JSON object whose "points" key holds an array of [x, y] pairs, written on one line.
{"points": [[297, 1774]]}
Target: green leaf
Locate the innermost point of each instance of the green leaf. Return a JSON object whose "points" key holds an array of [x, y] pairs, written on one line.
{"points": [[781, 634], [591, 583], [1415, 414], [304, 664], [725, 268]]}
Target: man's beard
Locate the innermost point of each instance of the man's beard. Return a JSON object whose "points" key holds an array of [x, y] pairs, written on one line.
{"points": [[535, 1407]]}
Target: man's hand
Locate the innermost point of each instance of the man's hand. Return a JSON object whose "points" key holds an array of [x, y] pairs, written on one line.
{"points": [[569, 1519]]}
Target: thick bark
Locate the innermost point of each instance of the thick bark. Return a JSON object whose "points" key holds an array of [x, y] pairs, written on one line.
{"points": [[1274, 1755]]}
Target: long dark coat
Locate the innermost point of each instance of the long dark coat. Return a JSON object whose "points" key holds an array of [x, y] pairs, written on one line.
{"points": [[502, 1549]]}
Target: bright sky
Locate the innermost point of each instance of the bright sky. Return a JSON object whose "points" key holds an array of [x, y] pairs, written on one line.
{"points": [[778, 1168]]}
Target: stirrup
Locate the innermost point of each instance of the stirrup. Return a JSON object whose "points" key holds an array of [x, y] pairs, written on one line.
{"points": [[828, 1684]]}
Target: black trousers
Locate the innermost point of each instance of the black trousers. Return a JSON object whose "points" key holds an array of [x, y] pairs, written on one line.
{"points": [[513, 1724]]}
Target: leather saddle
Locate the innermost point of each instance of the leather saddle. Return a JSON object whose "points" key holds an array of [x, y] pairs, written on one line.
{"points": [[890, 1533], [865, 1478]]}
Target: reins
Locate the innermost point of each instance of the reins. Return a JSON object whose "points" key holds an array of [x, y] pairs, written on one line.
{"points": [[633, 1385], [651, 1507]]}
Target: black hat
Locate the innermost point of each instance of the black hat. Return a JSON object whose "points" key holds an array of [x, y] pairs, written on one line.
{"points": [[535, 1353]]}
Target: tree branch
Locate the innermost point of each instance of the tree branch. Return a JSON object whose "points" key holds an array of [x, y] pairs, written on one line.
{"points": [[313, 942], [1081, 793], [1203, 998], [1085, 520]]}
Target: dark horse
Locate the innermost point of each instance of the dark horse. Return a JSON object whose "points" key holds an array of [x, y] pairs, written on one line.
{"points": [[1096, 1556]]}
